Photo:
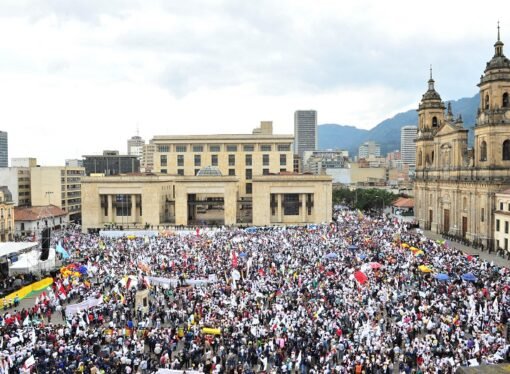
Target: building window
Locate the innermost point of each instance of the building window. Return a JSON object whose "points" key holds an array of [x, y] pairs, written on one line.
{"points": [[181, 148], [419, 158], [509, 207], [506, 102], [265, 147], [231, 160], [248, 160], [163, 160], [198, 160], [283, 147], [231, 172], [214, 148], [163, 148], [163, 171], [283, 160], [506, 150], [506, 227], [248, 173], [309, 203], [248, 148], [482, 215], [291, 204], [180, 160], [198, 148], [500, 206], [265, 171], [497, 225], [434, 121], [265, 160], [486, 102], [248, 188], [180, 172], [483, 151], [231, 148], [214, 160]]}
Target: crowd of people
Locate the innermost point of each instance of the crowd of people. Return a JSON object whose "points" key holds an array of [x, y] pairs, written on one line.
{"points": [[359, 295]]}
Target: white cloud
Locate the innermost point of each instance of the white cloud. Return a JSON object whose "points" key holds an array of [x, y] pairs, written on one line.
{"points": [[78, 76]]}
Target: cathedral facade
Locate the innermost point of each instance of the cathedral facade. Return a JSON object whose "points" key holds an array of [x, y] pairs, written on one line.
{"points": [[455, 185]]}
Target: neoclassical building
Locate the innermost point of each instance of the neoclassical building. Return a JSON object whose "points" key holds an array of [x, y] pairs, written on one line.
{"points": [[455, 188]]}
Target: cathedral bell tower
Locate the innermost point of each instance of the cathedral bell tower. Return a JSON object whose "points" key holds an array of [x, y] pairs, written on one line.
{"points": [[492, 131], [430, 119]]}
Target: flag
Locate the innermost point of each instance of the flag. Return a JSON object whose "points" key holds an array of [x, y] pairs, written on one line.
{"points": [[128, 283], [62, 251], [360, 215], [234, 259], [26, 322], [122, 299]]}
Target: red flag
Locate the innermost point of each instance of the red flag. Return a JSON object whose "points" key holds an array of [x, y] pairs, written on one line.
{"points": [[128, 283], [234, 259]]}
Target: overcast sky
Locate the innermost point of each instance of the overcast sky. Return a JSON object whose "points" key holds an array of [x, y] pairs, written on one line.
{"points": [[79, 76]]}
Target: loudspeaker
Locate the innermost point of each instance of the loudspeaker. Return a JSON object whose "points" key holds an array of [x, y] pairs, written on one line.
{"points": [[45, 253], [4, 270], [46, 238]]}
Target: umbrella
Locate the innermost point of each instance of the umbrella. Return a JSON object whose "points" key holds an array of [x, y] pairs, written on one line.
{"points": [[469, 277], [362, 256], [82, 269], [242, 254], [375, 265], [331, 256], [360, 277], [442, 277], [424, 269]]}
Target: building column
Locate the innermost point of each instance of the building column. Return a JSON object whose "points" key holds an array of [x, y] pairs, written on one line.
{"points": [[303, 207], [110, 208], [279, 207], [133, 209]]}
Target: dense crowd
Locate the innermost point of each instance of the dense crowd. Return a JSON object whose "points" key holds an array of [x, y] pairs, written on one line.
{"points": [[361, 294]]}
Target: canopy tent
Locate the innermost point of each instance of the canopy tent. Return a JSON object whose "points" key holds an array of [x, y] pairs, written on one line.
{"points": [[9, 248], [30, 263]]}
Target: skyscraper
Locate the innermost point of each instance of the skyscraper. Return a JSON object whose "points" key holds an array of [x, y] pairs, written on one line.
{"points": [[407, 145], [4, 150], [305, 131], [135, 146]]}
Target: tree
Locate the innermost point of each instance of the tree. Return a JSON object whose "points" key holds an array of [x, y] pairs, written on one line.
{"points": [[364, 198]]}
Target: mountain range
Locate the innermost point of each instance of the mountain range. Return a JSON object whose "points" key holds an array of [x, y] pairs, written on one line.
{"points": [[387, 133]]}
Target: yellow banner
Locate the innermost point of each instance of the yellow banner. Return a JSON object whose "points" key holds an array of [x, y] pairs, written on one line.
{"points": [[27, 290]]}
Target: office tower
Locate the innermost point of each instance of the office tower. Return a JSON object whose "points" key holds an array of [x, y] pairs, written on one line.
{"points": [[407, 145], [135, 146], [369, 149], [4, 150], [305, 131]]}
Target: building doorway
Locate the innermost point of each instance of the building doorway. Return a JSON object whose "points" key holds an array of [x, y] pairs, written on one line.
{"points": [[446, 220], [206, 209], [464, 226], [429, 224]]}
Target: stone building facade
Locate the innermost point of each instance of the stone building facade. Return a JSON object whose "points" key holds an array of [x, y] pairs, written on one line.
{"points": [[455, 187]]}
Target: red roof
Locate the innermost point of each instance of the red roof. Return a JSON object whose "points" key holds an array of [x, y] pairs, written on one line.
{"points": [[36, 213], [404, 202]]}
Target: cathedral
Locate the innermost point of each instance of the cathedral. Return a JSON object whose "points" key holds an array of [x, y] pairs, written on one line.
{"points": [[455, 185]]}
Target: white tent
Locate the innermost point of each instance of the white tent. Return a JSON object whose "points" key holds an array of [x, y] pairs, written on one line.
{"points": [[30, 263]]}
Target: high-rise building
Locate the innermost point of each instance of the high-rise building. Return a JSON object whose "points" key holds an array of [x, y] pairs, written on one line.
{"points": [[135, 146], [4, 150], [59, 186], [407, 145], [305, 131], [369, 149]]}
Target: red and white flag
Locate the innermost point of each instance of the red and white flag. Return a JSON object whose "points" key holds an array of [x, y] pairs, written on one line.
{"points": [[234, 259]]}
